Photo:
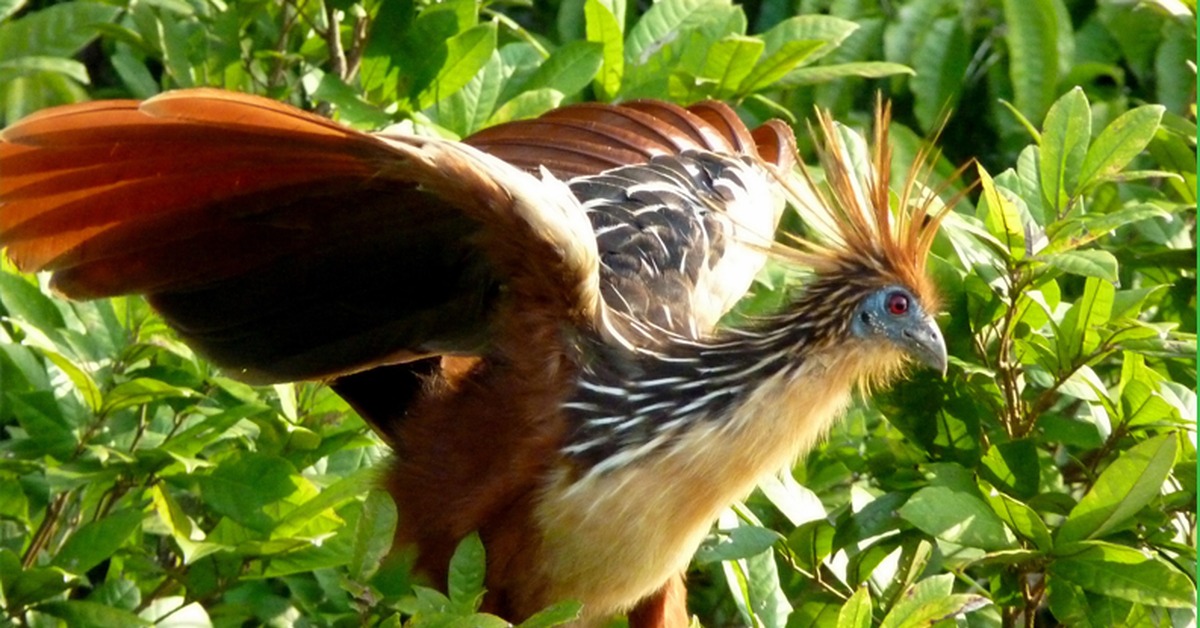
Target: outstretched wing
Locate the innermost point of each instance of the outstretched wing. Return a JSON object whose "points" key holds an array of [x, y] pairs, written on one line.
{"points": [[285, 246], [282, 245]]}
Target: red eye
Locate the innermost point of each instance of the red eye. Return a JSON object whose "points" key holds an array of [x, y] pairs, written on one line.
{"points": [[897, 303]]}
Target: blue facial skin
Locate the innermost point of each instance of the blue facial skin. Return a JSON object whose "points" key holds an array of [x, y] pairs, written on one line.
{"points": [[894, 314]]}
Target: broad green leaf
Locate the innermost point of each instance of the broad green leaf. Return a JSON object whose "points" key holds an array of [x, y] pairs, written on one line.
{"points": [[1080, 230], [42, 419], [1090, 263], [729, 61], [467, 569], [37, 584], [941, 62], [743, 541], [174, 39], [1077, 334], [333, 496], [831, 31], [1014, 466], [1001, 217], [1065, 138], [141, 391], [25, 303], [661, 24], [1124, 573], [555, 615], [930, 601], [60, 30], [1124, 488], [825, 73], [466, 54], [527, 105], [957, 516], [352, 109], [466, 110], [773, 67], [22, 66], [856, 613], [1021, 518], [134, 75], [239, 488], [605, 29], [97, 540], [1033, 54], [373, 535], [1119, 142], [569, 69]]}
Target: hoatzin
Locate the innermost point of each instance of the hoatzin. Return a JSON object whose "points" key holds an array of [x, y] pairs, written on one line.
{"points": [[529, 317]]}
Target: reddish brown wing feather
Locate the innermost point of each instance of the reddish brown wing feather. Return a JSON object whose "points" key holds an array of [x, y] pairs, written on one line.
{"points": [[590, 138], [285, 245]]}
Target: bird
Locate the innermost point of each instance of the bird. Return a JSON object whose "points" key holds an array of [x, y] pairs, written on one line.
{"points": [[532, 317]]}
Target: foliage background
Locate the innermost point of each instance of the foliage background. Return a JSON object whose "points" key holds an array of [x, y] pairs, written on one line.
{"points": [[1049, 478]]}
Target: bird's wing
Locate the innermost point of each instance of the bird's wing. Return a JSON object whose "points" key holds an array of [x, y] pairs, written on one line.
{"points": [[285, 246], [282, 245], [682, 231]]}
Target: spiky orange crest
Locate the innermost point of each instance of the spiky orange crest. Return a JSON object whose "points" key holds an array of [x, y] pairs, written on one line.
{"points": [[858, 224]]}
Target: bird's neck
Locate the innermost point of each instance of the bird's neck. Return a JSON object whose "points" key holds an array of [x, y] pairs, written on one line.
{"points": [[627, 407]]}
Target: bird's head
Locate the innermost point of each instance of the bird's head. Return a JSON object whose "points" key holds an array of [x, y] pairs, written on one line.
{"points": [[867, 251], [893, 314]]}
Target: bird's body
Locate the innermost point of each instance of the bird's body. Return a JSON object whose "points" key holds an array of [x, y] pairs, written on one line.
{"points": [[551, 291]]}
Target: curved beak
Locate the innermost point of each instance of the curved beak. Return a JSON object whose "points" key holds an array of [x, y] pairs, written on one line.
{"points": [[923, 342]]}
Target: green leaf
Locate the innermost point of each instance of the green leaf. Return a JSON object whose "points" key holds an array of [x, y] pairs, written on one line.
{"points": [[1091, 263], [1124, 488], [240, 488], [554, 615], [23, 66], [569, 68], [141, 391], [661, 24], [352, 109], [467, 569], [1013, 465], [929, 602], [42, 419], [856, 613], [1119, 142], [466, 54], [1065, 137], [743, 541], [957, 516], [97, 540], [60, 30], [827, 73], [941, 63], [1033, 54], [730, 60], [527, 105], [831, 31], [605, 29], [773, 67], [1124, 573], [373, 535], [1077, 334], [1022, 518], [1001, 216]]}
